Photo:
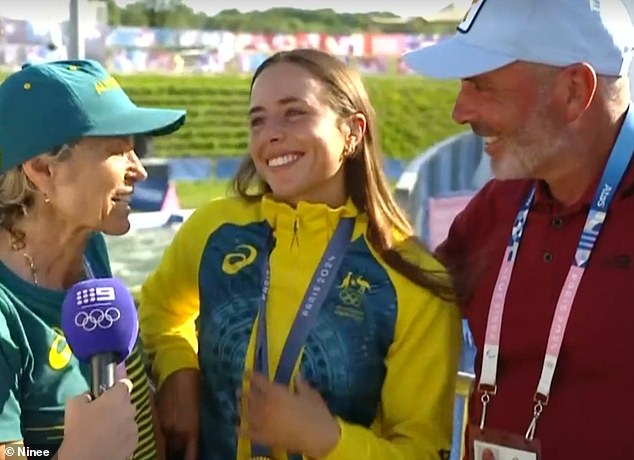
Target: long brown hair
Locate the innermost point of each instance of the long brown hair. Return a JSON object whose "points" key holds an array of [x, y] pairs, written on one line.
{"points": [[365, 182]]}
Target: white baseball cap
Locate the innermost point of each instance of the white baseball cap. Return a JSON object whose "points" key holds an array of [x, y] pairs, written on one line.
{"points": [[495, 33]]}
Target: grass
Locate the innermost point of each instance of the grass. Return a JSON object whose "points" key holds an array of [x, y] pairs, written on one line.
{"points": [[413, 113], [193, 194]]}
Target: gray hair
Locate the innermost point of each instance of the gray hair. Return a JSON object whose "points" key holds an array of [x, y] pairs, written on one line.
{"points": [[616, 93], [17, 192]]}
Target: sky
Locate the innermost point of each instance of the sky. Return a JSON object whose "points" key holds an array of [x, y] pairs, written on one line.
{"points": [[57, 10], [48, 11]]}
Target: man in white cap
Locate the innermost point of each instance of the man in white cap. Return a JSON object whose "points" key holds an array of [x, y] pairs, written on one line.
{"points": [[543, 256]]}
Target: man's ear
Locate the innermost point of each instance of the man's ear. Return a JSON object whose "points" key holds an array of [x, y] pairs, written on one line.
{"points": [[576, 86]]}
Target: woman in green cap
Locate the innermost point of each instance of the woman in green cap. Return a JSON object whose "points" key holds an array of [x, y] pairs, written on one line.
{"points": [[67, 175]]}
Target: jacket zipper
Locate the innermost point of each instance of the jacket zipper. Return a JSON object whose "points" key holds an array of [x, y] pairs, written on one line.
{"points": [[295, 239]]}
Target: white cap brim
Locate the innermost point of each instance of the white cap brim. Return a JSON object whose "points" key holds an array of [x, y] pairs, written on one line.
{"points": [[453, 58]]}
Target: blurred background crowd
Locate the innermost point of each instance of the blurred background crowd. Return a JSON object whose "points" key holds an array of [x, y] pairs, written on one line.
{"points": [[171, 36]]}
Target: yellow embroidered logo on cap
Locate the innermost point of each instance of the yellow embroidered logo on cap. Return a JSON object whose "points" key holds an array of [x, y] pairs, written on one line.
{"points": [[106, 85], [27, 85]]}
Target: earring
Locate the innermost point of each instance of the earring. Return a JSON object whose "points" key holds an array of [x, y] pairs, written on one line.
{"points": [[47, 200], [352, 145]]}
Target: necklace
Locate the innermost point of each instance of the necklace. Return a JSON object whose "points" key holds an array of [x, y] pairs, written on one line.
{"points": [[17, 244]]}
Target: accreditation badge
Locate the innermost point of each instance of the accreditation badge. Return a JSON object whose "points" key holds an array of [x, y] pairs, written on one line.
{"points": [[489, 444]]}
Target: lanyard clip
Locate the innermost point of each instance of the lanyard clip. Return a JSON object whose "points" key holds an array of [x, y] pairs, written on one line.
{"points": [[541, 398], [541, 401], [487, 391], [486, 388], [537, 411]]}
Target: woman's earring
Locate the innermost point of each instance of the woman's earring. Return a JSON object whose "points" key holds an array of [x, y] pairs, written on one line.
{"points": [[352, 146], [47, 200]]}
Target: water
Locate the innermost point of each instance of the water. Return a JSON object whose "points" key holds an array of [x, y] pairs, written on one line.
{"points": [[134, 255]]}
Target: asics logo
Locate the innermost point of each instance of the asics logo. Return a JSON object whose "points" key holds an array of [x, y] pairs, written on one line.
{"points": [[243, 256], [97, 318]]}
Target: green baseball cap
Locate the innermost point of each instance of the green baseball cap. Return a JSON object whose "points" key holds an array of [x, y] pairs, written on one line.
{"points": [[44, 106]]}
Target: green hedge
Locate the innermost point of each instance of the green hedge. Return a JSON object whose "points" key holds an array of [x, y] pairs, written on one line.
{"points": [[413, 113]]}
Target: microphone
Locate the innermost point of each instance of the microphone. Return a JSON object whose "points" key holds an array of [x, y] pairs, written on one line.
{"points": [[100, 323]]}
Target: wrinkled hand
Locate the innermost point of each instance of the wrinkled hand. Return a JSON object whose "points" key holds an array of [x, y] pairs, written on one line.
{"points": [[103, 429], [178, 407], [297, 422]]}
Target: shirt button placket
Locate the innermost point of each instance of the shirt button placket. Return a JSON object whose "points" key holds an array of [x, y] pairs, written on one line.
{"points": [[557, 222]]}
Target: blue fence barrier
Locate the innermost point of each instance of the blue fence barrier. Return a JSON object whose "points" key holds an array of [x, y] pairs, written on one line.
{"points": [[196, 168], [190, 169]]}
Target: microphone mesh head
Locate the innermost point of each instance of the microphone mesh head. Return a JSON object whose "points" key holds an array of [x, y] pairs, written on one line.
{"points": [[99, 316]]}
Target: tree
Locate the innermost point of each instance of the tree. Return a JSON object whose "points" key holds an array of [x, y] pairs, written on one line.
{"points": [[158, 12], [135, 14], [174, 14], [114, 13]]}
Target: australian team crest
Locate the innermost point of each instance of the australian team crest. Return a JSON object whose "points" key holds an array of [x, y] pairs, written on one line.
{"points": [[470, 17]]}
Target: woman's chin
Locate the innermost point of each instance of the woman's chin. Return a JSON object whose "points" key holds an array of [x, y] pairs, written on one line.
{"points": [[285, 193]]}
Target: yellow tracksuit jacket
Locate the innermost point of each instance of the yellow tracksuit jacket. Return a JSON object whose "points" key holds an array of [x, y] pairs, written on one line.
{"points": [[383, 353]]}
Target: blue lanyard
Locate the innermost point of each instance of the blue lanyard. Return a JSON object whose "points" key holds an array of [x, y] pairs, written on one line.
{"points": [[612, 175], [314, 298]]}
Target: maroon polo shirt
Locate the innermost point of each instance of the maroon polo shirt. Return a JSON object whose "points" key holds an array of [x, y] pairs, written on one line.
{"points": [[591, 410]]}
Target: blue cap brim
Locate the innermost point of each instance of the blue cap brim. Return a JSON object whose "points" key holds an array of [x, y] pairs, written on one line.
{"points": [[139, 120], [453, 58]]}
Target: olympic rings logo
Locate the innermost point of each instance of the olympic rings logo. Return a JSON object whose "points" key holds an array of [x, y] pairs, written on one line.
{"points": [[97, 318]]}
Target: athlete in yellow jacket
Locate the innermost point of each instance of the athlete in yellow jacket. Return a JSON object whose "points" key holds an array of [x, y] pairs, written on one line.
{"points": [[378, 359]]}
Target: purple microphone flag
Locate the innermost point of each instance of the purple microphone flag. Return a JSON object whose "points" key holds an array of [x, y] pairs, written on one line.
{"points": [[99, 316]]}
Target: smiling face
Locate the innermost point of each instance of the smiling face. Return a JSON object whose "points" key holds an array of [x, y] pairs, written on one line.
{"points": [[92, 188], [296, 141], [514, 111]]}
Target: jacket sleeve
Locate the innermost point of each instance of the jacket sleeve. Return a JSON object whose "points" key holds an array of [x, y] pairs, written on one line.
{"points": [[418, 392], [169, 302]]}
